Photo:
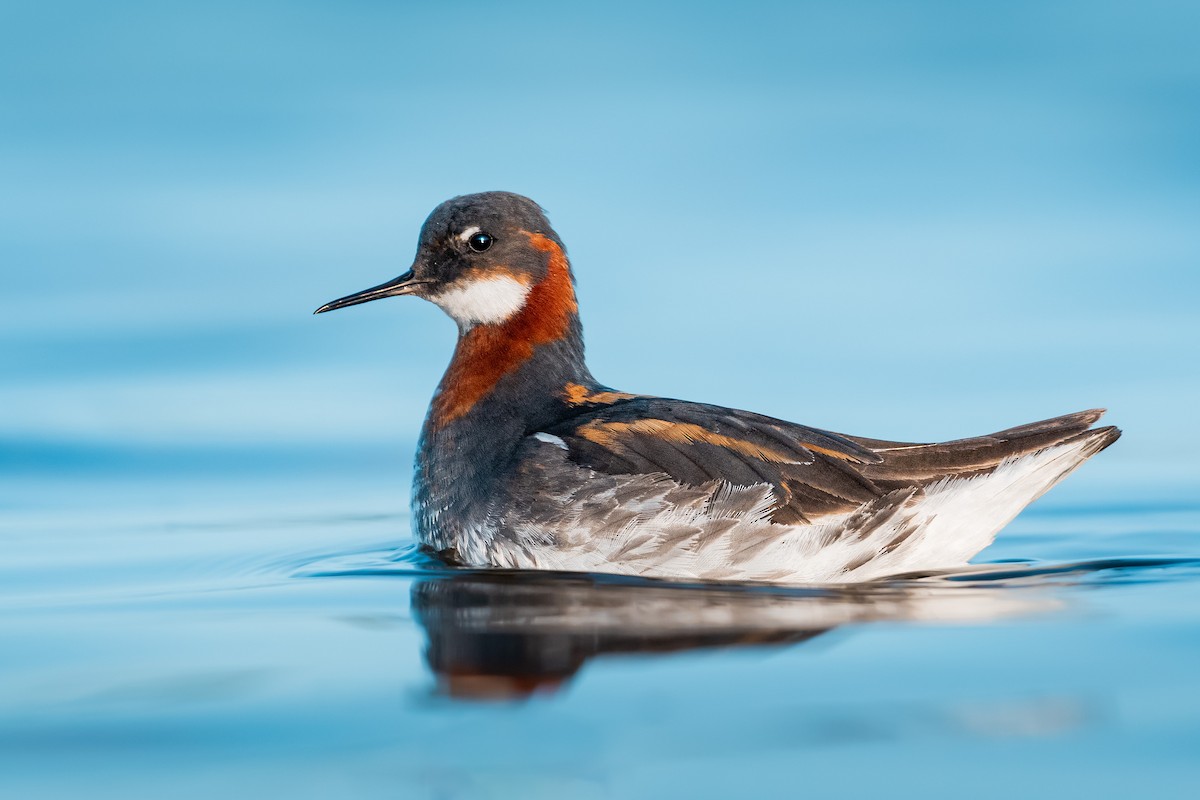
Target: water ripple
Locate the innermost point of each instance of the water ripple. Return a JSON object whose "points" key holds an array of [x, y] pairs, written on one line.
{"points": [[511, 633]]}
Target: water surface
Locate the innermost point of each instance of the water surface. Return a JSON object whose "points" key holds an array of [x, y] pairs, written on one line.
{"points": [[313, 654]]}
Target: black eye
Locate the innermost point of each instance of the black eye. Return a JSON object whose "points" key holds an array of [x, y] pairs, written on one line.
{"points": [[479, 242]]}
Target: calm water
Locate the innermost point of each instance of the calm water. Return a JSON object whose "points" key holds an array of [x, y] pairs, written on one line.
{"points": [[309, 653], [909, 221]]}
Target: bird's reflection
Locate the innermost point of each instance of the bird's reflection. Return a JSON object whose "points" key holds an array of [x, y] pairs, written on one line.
{"points": [[497, 635]]}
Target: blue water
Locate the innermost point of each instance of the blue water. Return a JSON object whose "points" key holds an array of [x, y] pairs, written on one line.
{"points": [[917, 221]]}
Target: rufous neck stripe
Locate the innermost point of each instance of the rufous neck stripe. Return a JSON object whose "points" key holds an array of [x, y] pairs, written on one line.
{"points": [[486, 353]]}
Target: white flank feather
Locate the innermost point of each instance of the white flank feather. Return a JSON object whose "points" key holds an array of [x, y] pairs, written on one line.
{"points": [[727, 535]]}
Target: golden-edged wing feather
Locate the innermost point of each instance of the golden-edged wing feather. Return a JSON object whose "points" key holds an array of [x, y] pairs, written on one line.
{"points": [[811, 472]]}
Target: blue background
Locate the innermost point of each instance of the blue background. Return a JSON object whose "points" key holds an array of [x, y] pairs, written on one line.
{"points": [[913, 221]]}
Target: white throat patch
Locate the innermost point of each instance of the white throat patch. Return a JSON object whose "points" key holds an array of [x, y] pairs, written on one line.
{"points": [[486, 301]]}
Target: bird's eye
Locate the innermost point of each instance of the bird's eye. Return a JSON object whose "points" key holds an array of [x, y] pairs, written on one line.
{"points": [[479, 242]]}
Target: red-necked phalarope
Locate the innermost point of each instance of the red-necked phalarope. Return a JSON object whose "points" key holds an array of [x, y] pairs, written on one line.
{"points": [[525, 461]]}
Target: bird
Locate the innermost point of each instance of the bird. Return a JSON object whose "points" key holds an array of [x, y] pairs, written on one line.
{"points": [[526, 462]]}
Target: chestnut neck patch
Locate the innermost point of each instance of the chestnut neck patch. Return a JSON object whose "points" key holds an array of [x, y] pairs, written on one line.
{"points": [[487, 352]]}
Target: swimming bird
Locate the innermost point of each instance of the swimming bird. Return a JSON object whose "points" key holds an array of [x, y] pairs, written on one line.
{"points": [[526, 461]]}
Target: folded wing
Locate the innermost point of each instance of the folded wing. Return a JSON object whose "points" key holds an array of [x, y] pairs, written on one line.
{"points": [[812, 473]]}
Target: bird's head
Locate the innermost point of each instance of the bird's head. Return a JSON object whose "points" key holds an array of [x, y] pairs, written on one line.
{"points": [[481, 258]]}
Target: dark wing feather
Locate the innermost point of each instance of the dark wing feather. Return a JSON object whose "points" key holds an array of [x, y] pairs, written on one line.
{"points": [[906, 464], [811, 472]]}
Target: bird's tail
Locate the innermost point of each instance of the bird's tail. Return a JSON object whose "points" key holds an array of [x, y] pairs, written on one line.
{"points": [[960, 513]]}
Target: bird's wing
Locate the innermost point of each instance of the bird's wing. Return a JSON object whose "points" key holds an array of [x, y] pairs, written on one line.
{"points": [[910, 464], [811, 472]]}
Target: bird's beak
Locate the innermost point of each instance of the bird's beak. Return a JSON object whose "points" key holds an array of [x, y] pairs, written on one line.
{"points": [[405, 284]]}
